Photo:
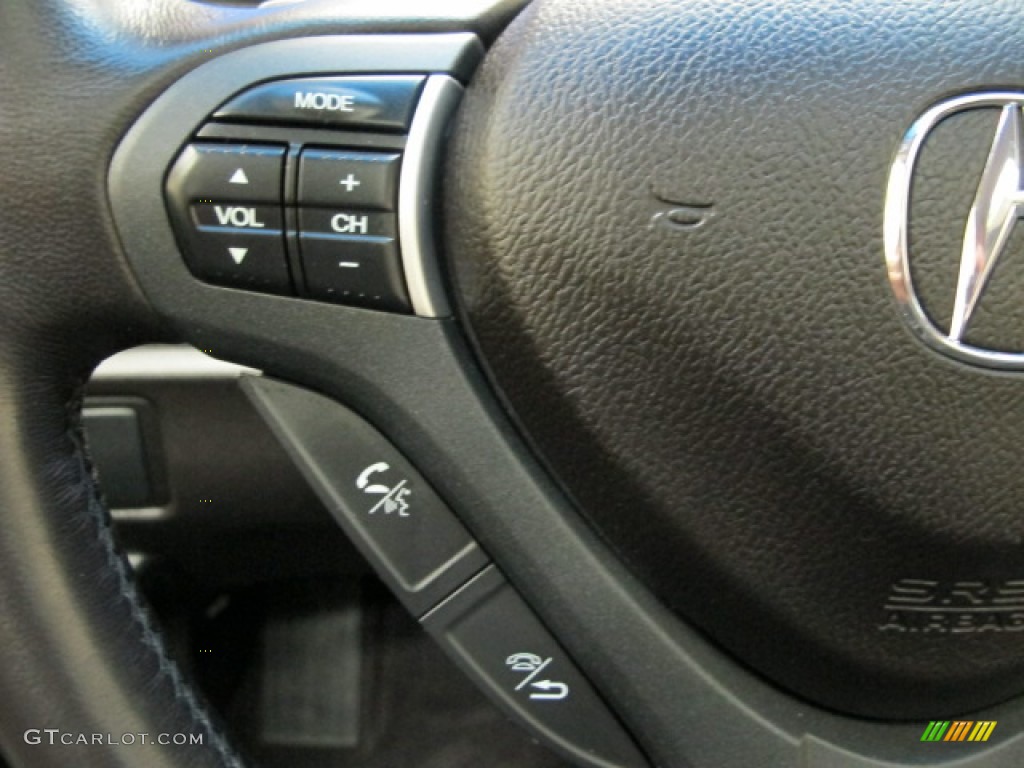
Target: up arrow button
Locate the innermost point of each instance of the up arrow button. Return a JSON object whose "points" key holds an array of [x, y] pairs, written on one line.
{"points": [[227, 174]]}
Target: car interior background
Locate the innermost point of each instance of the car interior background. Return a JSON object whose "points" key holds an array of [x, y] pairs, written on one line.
{"points": [[610, 383]]}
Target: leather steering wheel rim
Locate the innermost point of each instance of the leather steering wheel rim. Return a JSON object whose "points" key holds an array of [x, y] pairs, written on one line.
{"points": [[81, 653]]}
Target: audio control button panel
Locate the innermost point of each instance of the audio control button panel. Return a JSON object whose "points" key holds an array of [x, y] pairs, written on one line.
{"points": [[295, 187]]}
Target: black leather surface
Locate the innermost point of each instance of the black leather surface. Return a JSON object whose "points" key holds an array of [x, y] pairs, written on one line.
{"points": [[79, 653], [738, 407]]}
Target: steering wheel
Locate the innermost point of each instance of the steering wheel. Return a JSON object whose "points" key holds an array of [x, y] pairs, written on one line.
{"points": [[702, 340]]}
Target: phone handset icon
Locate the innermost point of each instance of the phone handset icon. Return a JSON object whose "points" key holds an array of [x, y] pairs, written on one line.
{"points": [[394, 498], [363, 481], [523, 662]]}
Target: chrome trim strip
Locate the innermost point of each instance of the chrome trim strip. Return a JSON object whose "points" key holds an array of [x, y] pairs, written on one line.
{"points": [[167, 361], [896, 226], [416, 195]]}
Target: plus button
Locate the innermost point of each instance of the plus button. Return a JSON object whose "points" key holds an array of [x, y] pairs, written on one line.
{"points": [[350, 182]]}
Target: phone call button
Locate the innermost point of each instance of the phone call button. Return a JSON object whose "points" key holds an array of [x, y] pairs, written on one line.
{"points": [[387, 507], [491, 632]]}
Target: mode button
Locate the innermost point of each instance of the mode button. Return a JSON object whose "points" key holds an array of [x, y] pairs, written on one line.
{"points": [[382, 102]]}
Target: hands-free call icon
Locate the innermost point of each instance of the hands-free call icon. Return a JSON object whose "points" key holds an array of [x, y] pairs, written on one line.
{"points": [[394, 497]]}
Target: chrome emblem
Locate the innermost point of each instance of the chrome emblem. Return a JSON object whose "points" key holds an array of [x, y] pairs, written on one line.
{"points": [[998, 203]]}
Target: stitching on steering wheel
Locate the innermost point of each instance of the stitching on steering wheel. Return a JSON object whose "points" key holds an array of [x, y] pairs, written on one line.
{"points": [[98, 513]]}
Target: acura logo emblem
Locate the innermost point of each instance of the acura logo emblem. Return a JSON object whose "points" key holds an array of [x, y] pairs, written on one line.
{"points": [[998, 203]]}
